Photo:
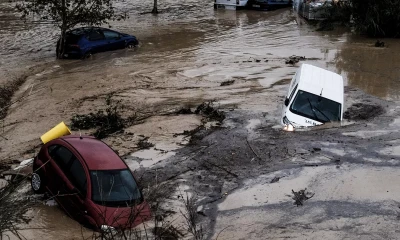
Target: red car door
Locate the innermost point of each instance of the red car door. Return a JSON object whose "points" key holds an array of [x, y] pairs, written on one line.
{"points": [[76, 187], [66, 177], [60, 160]]}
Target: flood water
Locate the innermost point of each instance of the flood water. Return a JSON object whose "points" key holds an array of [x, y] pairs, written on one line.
{"points": [[193, 31], [185, 53]]}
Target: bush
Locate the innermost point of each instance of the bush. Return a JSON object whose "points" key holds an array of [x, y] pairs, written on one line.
{"points": [[106, 121], [377, 18]]}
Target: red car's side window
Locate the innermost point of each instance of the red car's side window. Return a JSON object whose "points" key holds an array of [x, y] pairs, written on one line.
{"points": [[70, 165], [77, 176], [62, 156]]}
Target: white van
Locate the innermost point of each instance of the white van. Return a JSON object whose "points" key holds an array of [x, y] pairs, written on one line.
{"points": [[315, 97], [230, 4]]}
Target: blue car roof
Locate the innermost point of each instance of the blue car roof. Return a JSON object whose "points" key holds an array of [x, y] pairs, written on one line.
{"points": [[85, 30]]}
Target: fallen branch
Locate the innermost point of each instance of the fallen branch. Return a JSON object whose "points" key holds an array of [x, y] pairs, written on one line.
{"points": [[253, 150]]}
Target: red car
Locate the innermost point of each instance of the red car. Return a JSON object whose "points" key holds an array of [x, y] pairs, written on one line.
{"points": [[90, 182]]}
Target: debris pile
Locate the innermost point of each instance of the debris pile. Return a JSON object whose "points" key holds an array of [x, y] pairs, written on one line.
{"points": [[105, 122], [145, 144], [294, 59], [209, 110], [362, 111]]}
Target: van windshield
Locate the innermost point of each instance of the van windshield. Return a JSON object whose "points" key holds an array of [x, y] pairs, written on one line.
{"points": [[316, 107], [114, 188]]}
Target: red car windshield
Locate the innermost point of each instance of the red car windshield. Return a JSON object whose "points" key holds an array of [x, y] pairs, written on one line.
{"points": [[115, 188]]}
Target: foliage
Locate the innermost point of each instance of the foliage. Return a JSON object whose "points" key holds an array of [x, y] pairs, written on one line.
{"points": [[66, 14], [371, 17], [335, 12], [12, 210], [377, 18], [192, 218]]}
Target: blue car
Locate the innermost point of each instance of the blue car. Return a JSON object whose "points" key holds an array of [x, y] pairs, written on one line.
{"points": [[85, 41]]}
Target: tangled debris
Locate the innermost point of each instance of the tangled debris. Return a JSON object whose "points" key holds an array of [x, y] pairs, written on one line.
{"points": [[209, 110], [362, 111], [294, 59], [301, 196], [144, 143], [13, 207], [105, 122]]}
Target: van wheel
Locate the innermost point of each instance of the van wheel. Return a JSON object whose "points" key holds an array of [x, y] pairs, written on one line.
{"points": [[37, 182]]}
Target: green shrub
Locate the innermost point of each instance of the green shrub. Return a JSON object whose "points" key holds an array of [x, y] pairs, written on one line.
{"points": [[377, 18]]}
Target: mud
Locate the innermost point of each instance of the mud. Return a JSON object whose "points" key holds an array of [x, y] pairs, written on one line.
{"points": [[361, 111], [186, 56]]}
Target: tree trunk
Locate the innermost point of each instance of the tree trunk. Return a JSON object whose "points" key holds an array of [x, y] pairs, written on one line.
{"points": [[155, 10], [61, 43]]}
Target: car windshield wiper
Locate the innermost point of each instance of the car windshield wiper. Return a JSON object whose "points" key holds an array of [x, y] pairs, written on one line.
{"points": [[323, 114], [312, 109]]}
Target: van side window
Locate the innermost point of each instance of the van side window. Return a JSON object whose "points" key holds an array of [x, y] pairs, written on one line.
{"points": [[61, 156], [77, 176], [294, 90]]}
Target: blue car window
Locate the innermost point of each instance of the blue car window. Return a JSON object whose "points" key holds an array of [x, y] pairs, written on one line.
{"points": [[95, 35], [110, 34]]}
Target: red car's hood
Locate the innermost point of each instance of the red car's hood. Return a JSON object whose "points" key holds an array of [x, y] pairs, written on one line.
{"points": [[121, 217]]}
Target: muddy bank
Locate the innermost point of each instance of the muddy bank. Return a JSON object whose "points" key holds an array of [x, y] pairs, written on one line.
{"points": [[247, 170]]}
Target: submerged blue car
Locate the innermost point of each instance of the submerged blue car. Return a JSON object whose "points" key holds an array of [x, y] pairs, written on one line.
{"points": [[85, 41]]}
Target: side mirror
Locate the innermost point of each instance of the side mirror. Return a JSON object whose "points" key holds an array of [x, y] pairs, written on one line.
{"points": [[286, 102]]}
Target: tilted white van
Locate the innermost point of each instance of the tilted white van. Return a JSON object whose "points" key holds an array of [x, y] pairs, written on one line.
{"points": [[315, 97]]}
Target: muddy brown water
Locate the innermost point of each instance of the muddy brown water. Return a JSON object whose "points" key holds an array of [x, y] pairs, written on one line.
{"points": [[185, 53]]}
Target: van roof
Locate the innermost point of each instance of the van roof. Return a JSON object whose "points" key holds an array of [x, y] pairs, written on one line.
{"points": [[317, 80]]}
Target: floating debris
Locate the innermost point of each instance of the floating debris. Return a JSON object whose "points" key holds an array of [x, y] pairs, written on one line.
{"points": [[227, 83], [275, 179], [294, 59], [301, 196], [379, 44]]}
